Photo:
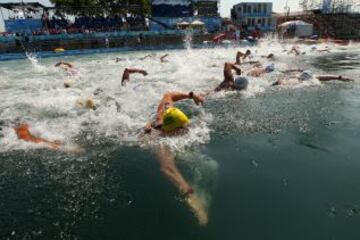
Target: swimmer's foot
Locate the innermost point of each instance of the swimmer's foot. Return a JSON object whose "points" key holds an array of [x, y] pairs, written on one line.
{"points": [[198, 208]]}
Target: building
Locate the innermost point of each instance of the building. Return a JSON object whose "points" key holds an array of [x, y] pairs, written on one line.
{"points": [[253, 15], [166, 14], [21, 16]]}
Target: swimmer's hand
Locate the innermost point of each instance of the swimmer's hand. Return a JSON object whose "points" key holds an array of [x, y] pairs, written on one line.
{"points": [[147, 128], [144, 73], [346, 79], [158, 124], [199, 100]]}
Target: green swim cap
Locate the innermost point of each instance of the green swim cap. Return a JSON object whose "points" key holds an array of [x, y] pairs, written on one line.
{"points": [[173, 119]]}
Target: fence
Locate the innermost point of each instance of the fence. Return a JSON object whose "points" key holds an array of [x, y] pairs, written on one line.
{"points": [[87, 36]]}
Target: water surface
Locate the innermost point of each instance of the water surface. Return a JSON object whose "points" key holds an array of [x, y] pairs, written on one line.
{"points": [[270, 163]]}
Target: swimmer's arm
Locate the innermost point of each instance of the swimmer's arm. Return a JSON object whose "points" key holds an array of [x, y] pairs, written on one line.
{"points": [[233, 67], [238, 57], [325, 78], [163, 60], [128, 71], [145, 57], [177, 96]]}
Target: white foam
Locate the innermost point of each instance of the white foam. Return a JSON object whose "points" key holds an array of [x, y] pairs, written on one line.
{"points": [[34, 91]]}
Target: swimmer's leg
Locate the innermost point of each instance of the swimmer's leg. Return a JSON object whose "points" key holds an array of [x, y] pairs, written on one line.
{"points": [[168, 167]]}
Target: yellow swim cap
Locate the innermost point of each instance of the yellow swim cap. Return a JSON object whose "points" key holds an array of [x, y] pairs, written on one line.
{"points": [[173, 119]]}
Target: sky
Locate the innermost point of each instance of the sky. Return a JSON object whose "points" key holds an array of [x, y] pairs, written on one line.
{"points": [[226, 5]]}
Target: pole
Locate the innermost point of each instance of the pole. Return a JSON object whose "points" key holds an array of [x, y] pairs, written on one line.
{"points": [[286, 8], [3, 18], [2, 14]]}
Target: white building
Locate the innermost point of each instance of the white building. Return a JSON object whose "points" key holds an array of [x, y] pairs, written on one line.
{"points": [[254, 15]]}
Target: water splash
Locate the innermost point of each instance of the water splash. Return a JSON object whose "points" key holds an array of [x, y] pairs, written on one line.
{"points": [[35, 62], [34, 92], [188, 39]]}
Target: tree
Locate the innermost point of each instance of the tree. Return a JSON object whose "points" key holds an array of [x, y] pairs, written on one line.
{"points": [[304, 4], [310, 4]]}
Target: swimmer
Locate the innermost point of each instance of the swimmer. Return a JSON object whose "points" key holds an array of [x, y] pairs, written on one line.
{"points": [[68, 83], [292, 70], [326, 49], [163, 58], [258, 71], [294, 50], [128, 71], [230, 83], [64, 65], [87, 103], [68, 67], [307, 75], [118, 59], [148, 56], [170, 121], [270, 56], [23, 133], [243, 56], [167, 102]]}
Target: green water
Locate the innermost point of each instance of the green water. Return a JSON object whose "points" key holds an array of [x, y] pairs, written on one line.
{"points": [[281, 165]]}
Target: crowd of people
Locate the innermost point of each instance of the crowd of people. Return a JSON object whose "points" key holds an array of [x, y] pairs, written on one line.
{"points": [[171, 121], [86, 24], [59, 24]]}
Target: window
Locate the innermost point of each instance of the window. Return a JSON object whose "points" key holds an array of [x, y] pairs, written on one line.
{"points": [[263, 22], [249, 22], [259, 21], [249, 9], [253, 22], [269, 22], [265, 8]]}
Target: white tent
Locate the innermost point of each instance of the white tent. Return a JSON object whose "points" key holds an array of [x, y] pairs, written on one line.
{"points": [[197, 23], [299, 28], [183, 23]]}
